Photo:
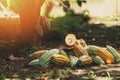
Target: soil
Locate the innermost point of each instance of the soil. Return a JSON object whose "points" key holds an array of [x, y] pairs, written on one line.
{"points": [[20, 69]]}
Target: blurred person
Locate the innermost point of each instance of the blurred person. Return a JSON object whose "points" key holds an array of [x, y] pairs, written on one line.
{"points": [[31, 22]]}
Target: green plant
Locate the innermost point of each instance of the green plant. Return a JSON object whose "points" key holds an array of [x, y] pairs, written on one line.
{"points": [[34, 75], [28, 79], [7, 79], [65, 24], [107, 74], [90, 75], [2, 76]]}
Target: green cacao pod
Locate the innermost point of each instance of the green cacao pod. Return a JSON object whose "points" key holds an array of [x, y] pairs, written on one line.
{"points": [[73, 60], [97, 60], [92, 50], [45, 58], [114, 52]]}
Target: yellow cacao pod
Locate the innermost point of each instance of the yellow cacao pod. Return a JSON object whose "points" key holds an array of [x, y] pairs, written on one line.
{"points": [[83, 43], [70, 40], [38, 54], [60, 59], [85, 60], [105, 55], [79, 50]]}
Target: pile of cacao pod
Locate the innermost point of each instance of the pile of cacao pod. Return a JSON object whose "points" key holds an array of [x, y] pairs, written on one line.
{"points": [[76, 52]]}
